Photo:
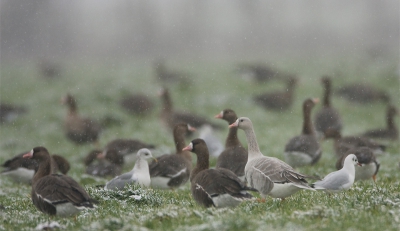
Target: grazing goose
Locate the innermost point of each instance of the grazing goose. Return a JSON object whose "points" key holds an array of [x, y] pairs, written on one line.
{"points": [[56, 194], [22, 170], [340, 180], [214, 187], [278, 100], [9, 112], [234, 157], [170, 118], [362, 93], [269, 175], [390, 132], [173, 171], [304, 149], [367, 160], [137, 104], [343, 144], [138, 175], [78, 129], [99, 164], [327, 117], [125, 147]]}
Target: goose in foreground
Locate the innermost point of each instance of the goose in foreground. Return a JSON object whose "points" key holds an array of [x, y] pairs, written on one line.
{"points": [[56, 194], [125, 147], [234, 157], [214, 187], [327, 117], [340, 180], [137, 104], [138, 175], [10, 112], [78, 129], [367, 160], [269, 175], [99, 164], [343, 144], [22, 170], [278, 100], [170, 117], [304, 149], [390, 132], [362, 93], [173, 171]]}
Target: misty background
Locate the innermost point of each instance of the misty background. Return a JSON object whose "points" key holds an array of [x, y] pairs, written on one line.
{"points": [[198, 29]]}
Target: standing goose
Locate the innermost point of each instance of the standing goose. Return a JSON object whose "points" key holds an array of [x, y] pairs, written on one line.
{"points": [[390, 132], [340, 180], [172, 171], [269, 175], [22, 170], [279, 100], [78, 129], [343, 144], [99, 164], [214, 187], [138, 175], [56, 194], [367, 160], [304, 149], [234, 157], [170, 118], [328, 117]]}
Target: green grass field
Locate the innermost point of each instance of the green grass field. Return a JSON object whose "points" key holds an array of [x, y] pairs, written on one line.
{"points": [[98, 87]]}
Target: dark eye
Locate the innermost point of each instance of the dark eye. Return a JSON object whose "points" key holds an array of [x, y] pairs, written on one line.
{"points": [[241, 120]]}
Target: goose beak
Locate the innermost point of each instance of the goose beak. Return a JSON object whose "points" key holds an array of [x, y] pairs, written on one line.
{"points": [[219, 116], [190, 128], [359, 164], [235, 124], [188, 148], [101, 155], [315, 100], [28, 155]]}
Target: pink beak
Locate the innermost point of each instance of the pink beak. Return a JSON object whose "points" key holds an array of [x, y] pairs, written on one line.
{"points": [[235, 124], [28, 155], [190, 128], [188, 148], [218, 116]]}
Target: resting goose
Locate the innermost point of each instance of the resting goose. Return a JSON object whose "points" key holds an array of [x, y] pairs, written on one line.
{"points": [[362, 93], [327, 117], [10, 112], [269, 175], [99, 164], [125, 147], [56, 194], [340, 180], [234, 157], [258, 72], [367, 160], [214, 187], [390, 132], [278, 100], [170, 118], [304, 149], [78, 129], [138, 175], [22, 170], [137, 104], [173, 171]]}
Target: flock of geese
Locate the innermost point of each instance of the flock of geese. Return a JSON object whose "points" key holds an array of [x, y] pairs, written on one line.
{"points": [[237, 170]]}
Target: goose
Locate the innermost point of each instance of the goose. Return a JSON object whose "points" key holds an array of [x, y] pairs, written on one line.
{"points": [[214, 187], [391, 131], [137, 104], [102, 165], [269, 175]]}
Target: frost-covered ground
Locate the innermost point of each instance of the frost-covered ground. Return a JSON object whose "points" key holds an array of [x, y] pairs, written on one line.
{"points": [[366, 206]]}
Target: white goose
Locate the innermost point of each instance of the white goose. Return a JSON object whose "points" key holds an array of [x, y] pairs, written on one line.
{"points": [[269, 175]]}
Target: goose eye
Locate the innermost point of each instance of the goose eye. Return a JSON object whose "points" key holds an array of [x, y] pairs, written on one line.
{"points": [[241, 120]]}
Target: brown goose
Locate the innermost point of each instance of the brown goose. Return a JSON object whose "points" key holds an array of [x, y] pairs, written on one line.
{"points": [[56, 194], [327, 117], [366, 158], [390, 132], [362, 93], [137, 104], [78, 129], [22, 170], [9, 112], [234, 157], [214, 187], [258, 72], [126, 147], [172, 171], [278, 100], [168, 76], [170, 117], [304, 149], [99, 164], [343, 144]]}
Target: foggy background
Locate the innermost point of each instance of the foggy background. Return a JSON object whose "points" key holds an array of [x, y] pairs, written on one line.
{"points": [[200, 29]]}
